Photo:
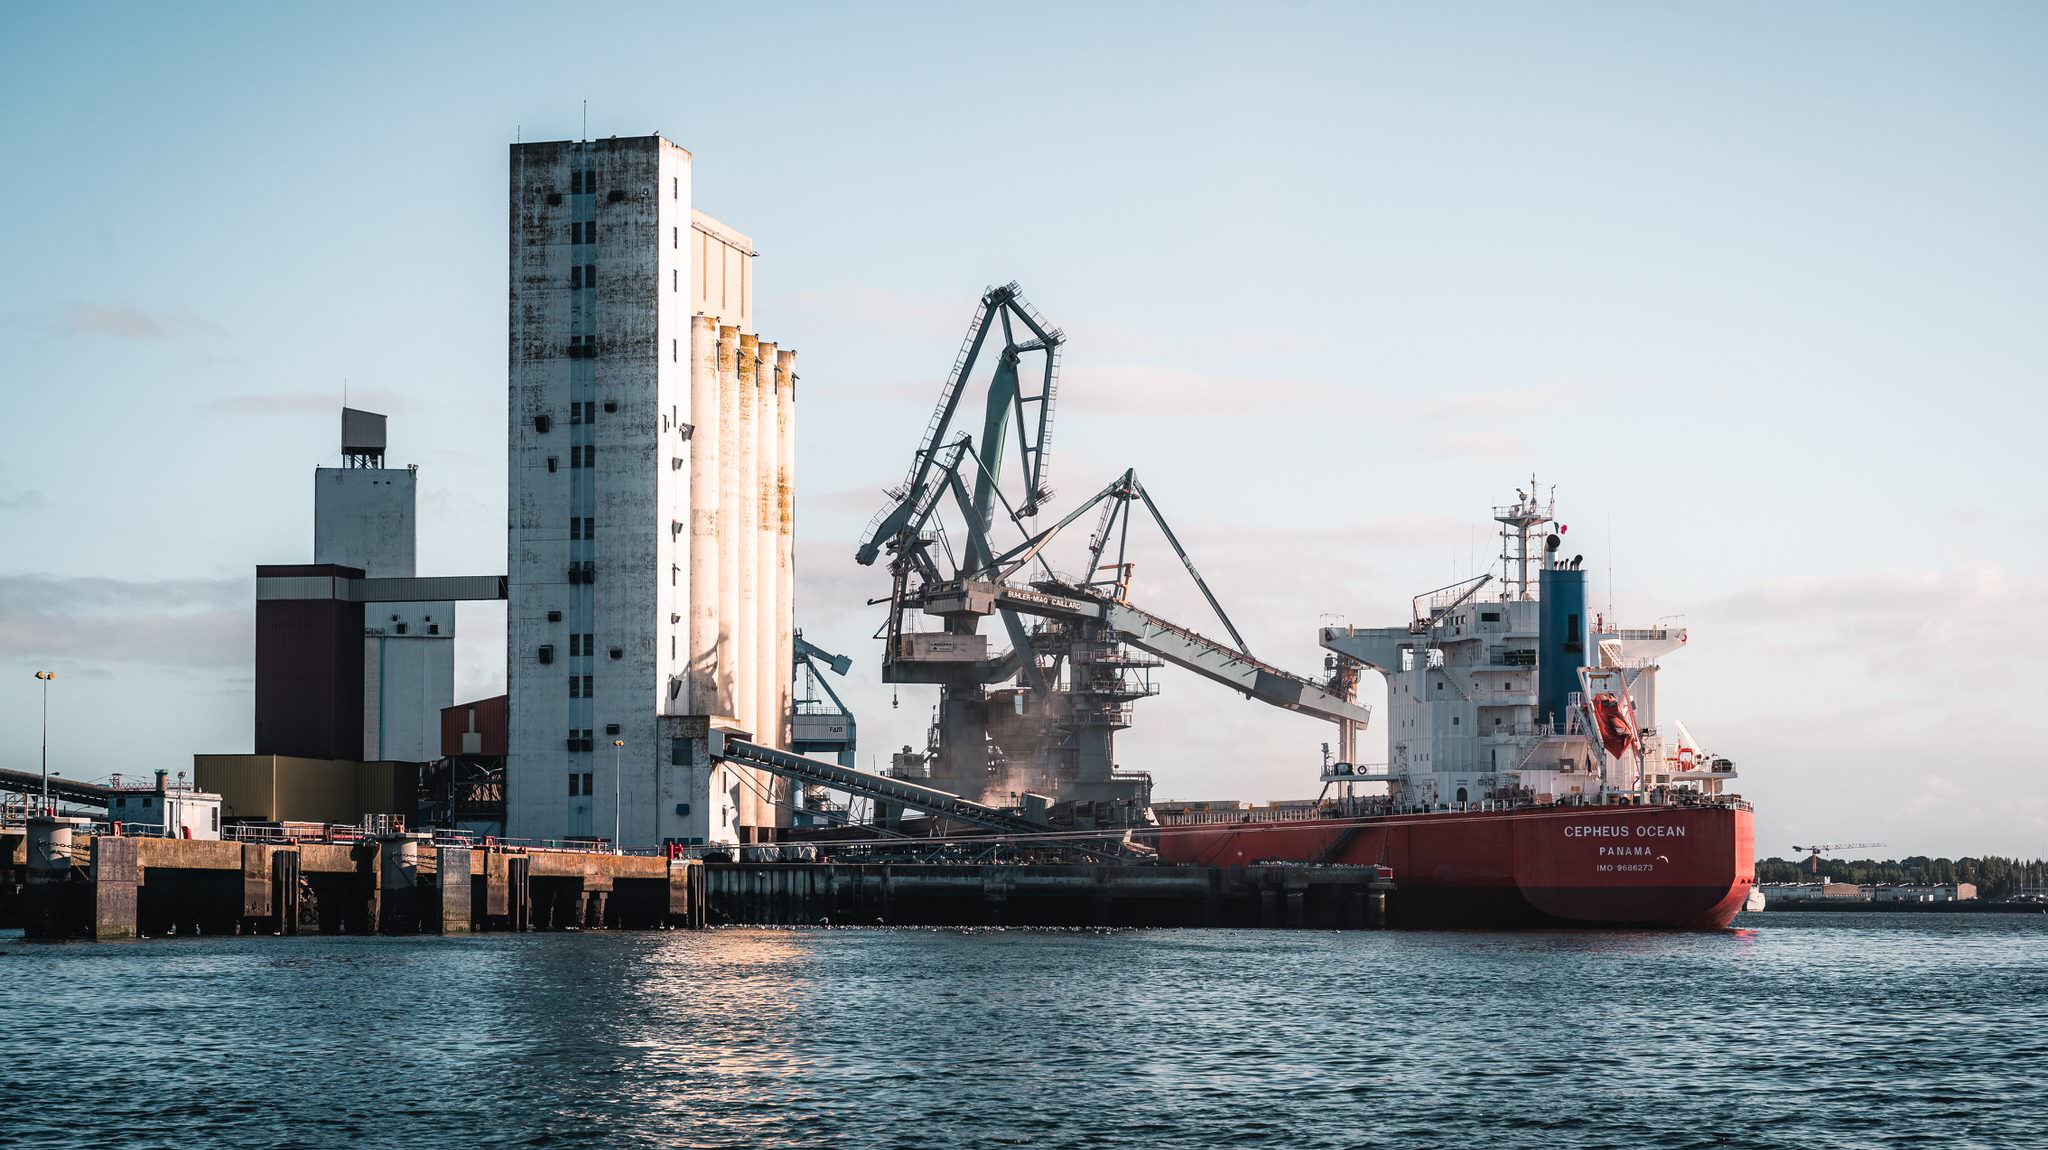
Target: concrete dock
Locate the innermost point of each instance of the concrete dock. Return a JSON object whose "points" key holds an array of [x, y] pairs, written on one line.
{"points": [[65, 885], [59, 883]]}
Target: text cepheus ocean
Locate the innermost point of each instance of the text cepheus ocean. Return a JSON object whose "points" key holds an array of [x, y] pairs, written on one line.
{"points": [[1623, 831]]}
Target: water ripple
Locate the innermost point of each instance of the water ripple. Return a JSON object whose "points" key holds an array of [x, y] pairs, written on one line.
{"points": [[1810, 1031]]}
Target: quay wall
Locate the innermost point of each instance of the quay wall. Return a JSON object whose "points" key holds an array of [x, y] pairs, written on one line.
{"points": [[118, 888]]}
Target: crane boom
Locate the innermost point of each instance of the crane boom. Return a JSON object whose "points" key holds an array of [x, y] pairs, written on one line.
{"points": [[1188, 649]]}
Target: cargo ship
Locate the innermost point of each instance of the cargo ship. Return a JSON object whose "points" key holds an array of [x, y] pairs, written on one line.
{"points": [[1530, 778]]}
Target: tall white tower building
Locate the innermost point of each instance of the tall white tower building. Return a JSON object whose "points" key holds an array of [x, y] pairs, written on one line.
{"points": [[650, 527], [365, 515]]}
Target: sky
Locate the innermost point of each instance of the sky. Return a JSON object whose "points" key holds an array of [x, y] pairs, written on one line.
{"points": [[1758, 288]]}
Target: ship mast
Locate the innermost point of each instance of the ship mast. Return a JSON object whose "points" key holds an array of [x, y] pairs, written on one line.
{"points": [[1518, 522]]}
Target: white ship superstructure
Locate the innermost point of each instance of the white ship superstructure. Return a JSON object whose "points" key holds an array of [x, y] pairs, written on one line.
{"points": [[1503, 691]]}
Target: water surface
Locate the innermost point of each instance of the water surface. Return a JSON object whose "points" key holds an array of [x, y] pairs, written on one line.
{"points": [[1809, 1031]]}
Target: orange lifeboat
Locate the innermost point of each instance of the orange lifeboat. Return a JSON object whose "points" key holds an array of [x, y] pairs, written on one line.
{"points": [[1616, 723]]}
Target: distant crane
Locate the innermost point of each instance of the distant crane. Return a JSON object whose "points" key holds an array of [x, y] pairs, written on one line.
{"points": [[1813, 860], [819, 724]]}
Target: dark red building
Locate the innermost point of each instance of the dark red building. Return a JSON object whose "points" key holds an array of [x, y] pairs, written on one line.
{"points": [[309, 663], [476, 729]]}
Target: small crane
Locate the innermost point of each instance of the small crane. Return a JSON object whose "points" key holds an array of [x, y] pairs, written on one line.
{"points": [[1813, 860]]}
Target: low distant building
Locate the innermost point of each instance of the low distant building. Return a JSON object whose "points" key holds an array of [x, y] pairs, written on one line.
{"points": [[177, 812], [1815, 891], [1926, 892]]}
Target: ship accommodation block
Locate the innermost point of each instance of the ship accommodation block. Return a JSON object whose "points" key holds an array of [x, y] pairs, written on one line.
{"points": [[1472, 715]]}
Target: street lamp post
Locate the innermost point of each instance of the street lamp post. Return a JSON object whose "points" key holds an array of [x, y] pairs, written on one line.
{"points": [[47, 677], [617, 745]]}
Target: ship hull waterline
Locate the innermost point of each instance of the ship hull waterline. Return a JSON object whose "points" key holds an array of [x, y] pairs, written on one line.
{"points": [[1644, 867]]}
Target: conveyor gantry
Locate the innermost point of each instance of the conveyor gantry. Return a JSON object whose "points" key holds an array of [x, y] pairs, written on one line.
{"points": [[873, 786], [1196, 652], [69, 790]]}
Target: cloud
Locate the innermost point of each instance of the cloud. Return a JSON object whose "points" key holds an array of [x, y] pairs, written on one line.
{"points": [[23, 500], [185, 623], [925, 392], [1937, 791], [871, 309], [133, 323], [383, 401], [126, 323], [1898, 595], [1153, 390], [1500, 405], [1903, 621], [848, 500]]}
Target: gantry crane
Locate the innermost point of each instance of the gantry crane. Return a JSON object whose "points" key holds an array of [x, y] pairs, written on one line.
{"points": [[819, 724], [1041, 716], [1813, 860]]}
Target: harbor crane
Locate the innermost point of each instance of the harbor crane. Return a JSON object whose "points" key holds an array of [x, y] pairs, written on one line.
{"points": [[1813, 859], [820, 723], [1035, 723]]}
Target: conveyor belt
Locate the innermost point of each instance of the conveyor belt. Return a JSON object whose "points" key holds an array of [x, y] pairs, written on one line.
{"points": [[1184, 648], [873, 786], [70, 790]]}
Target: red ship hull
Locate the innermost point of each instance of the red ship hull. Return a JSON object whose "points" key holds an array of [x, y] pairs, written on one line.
{"points": [[1668, 867]]}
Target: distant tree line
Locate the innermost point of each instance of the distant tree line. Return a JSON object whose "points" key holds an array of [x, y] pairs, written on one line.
{"points": [[1994, 877]]}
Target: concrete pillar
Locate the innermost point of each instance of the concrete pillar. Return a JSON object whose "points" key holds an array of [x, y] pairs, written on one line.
{"points": [[50, 899], [704, 473], [767, 521], [497, 888], [398, 898], [258, 898], [679, 901], [284, 890], [452, 872], [519, 893], [785, 558], [115, 881]]}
